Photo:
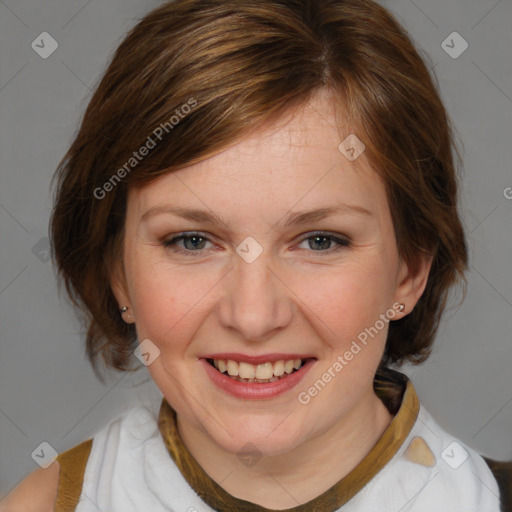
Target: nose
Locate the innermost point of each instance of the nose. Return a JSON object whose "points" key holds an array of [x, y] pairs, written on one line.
{"points": [[256, 302]]}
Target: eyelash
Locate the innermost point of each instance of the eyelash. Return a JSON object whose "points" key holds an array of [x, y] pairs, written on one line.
{"points": [[172, 243]]}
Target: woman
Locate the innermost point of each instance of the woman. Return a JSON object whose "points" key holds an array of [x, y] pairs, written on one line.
{"points": [[261, 205]]}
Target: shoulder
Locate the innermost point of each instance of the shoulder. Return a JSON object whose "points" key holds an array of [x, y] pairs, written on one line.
{"points": [[59, 486], [432, 470], [456, 477], [37, 492], [52, 489]]}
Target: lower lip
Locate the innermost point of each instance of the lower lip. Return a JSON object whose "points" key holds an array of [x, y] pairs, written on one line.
{"points": [[254, 390]]}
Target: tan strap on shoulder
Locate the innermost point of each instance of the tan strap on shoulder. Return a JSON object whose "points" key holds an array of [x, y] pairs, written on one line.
{"points": [[71, 477]]}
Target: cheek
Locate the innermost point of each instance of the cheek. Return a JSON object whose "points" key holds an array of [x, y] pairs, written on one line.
{"points": [[347, 316], [348, 299], [166, 300]]}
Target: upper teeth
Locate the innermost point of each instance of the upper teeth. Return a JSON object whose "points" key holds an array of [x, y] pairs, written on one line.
{"points": [[259, 371]]}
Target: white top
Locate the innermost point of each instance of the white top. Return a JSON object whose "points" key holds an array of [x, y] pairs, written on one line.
{"points": [[130, 470]]}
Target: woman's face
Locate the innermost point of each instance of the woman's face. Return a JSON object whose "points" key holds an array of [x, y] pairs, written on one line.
{"points": [[266, 283]]}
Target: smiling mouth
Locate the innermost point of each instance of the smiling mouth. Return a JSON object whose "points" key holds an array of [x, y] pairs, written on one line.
{"points": [[262, 373]]}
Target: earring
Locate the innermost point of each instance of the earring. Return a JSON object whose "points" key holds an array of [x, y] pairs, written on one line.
{"points": [[401, 308], [128, 318]]}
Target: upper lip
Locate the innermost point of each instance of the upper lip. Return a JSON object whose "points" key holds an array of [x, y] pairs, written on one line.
{"points": [[264, 358]]}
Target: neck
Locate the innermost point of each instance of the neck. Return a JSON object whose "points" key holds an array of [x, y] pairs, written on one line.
{"points": [[321, 461]]}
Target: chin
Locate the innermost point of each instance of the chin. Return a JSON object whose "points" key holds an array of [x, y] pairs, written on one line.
{"points": [[267, 436]]}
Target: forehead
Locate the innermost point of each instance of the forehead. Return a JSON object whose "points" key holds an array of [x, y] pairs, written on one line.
{"points": [[293, 163]]}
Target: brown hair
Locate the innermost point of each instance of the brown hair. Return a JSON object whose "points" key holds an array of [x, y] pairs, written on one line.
{"points": [[238, 65]]}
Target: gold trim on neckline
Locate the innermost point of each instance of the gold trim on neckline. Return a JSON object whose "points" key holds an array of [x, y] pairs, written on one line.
{"points": [[330, 500]]}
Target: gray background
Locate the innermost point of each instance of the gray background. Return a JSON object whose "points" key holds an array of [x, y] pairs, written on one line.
{"points": [[48, 391]]}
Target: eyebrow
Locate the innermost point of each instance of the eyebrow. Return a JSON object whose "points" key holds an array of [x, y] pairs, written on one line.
{"points": [[292, 219]]}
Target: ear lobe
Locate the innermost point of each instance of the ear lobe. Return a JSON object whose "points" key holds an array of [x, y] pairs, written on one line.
{"points": [[413, 279]]}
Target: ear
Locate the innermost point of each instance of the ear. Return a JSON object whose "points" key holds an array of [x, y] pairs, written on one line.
{"points": [[412, 280], [120, 291]]}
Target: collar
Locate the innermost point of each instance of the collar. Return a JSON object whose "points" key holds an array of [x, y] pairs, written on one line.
{"points": [[393, 388]]}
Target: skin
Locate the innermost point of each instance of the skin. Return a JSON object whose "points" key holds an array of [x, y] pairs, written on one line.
{"points": [[295, 297], [37, 492]]}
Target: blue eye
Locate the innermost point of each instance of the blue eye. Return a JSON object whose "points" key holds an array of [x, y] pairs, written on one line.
{"points": [[195, 243], [323, 241]]}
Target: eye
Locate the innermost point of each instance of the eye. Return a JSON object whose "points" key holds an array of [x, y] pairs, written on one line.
{"points": [[321, 242], [193, 242]]}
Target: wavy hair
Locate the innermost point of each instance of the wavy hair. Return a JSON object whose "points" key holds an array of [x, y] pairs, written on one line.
{"points": [[245, 63]]}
